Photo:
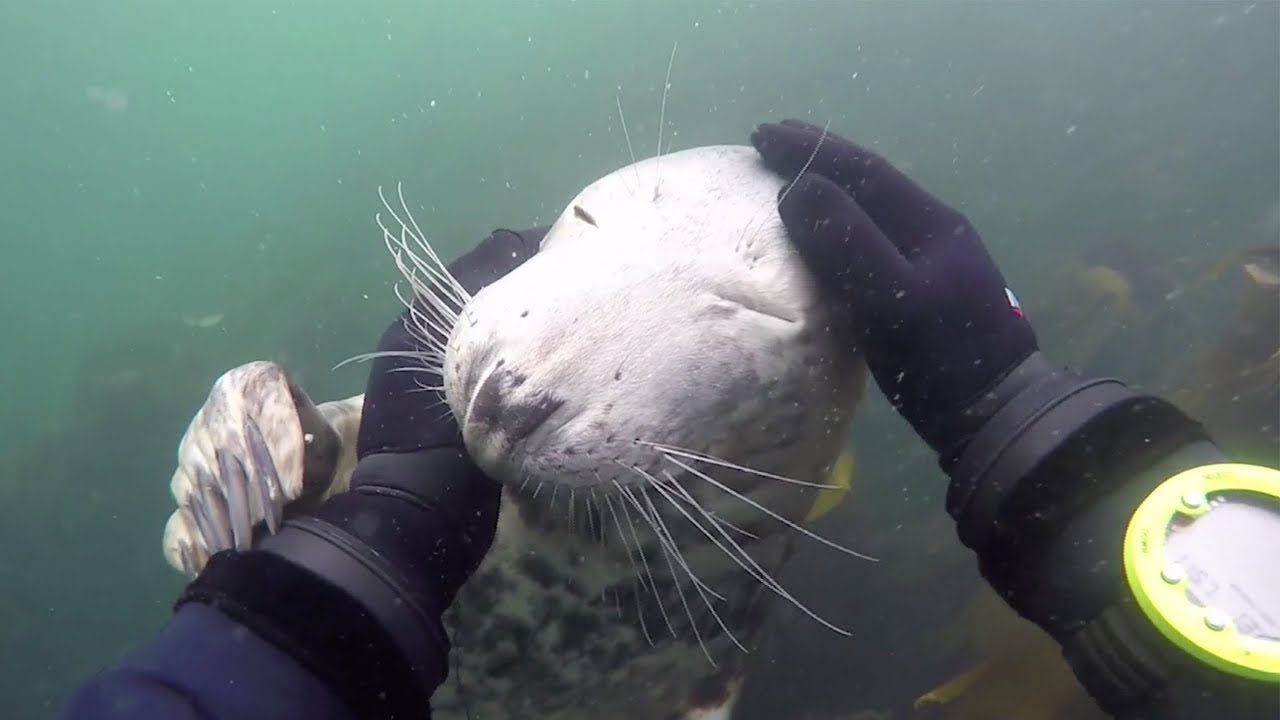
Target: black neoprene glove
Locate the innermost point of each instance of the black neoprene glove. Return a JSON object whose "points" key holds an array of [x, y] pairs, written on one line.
{"points": [[921, 295], [355, 590]]}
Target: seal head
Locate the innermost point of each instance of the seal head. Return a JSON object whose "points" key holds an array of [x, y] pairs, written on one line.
{"points": [[665, 309]]}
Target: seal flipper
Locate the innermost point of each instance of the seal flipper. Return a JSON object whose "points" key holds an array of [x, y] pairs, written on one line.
{"points": [[257, 451]]}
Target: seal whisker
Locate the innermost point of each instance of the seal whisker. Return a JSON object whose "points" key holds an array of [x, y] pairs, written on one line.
{"points": [[658, 531], [774, 515], [662, 118], [432, 329], [438, 297], [431, 359], [460, 293], [636, 580], [437, 403], [435, 289], [445, 317], [752, 567], [433, 371], [617, 98], [715, 518], [604, 543], [441, 302], [713, 460], [644, 561], [424, 370], [423, 389], [693, 622], [367, 356], [804, 168], [573, 511], [436, 268], [658, 487], [591, 520], [447, 412], [426, 364], [664, 539]]}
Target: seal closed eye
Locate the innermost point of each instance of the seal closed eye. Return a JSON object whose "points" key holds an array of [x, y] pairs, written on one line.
{"points": [[584, 216]]}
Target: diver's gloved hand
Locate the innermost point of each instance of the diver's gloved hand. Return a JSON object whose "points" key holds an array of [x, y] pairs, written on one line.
{"points": [[1045, 467], [411, 459], [920, 293], [356, 589]]}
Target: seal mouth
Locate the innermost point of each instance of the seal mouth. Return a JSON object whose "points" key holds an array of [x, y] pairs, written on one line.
{"points": [[500, 421]]}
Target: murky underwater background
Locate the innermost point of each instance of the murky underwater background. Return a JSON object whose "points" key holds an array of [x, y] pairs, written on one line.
{"points": [[186, 186]]}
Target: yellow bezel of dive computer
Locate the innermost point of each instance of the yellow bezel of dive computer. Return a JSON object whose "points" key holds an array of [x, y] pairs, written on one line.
{"points": [[1164, 600]]}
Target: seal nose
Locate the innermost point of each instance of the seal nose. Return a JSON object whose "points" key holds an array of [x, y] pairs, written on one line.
{"points": [[515, 421]]}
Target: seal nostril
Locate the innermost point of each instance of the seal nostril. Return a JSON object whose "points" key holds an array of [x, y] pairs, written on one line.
{"points": [[517, 421]]}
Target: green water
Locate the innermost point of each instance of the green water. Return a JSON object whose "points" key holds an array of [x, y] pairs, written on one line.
{"points": [[162, 161]]}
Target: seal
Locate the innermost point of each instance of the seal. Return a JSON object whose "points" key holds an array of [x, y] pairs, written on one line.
{"points": [[661, 395]]}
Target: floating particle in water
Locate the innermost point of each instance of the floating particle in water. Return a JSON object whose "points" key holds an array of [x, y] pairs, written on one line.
{"points": [[203, 321], [111, 99]]}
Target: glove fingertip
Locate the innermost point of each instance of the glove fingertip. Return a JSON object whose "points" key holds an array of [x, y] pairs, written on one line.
{"points": [[812, 210], [836, 238], [810, 202]]}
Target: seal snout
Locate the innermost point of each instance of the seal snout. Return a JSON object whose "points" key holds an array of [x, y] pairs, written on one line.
{"points": [[494, 409]]}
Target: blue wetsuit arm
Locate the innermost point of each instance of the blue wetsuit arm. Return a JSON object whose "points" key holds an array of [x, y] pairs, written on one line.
{"points": [[205, 666]]}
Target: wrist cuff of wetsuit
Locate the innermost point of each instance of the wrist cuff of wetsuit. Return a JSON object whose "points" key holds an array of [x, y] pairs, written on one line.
{"points": [[354, 591], [343, 638], [1057, 444]]}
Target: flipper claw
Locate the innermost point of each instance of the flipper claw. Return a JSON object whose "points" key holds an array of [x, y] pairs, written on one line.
{"points": [[210, 512], [188, 559], [271, 495], [235, 488], [257, 445]]}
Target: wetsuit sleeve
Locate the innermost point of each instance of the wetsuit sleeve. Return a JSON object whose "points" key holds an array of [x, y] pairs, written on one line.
{"points": [[205, 666], [1061, 453]]}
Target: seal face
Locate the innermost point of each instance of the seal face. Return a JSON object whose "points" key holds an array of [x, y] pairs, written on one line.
{"points": [[659, 392], [679, 316]]}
